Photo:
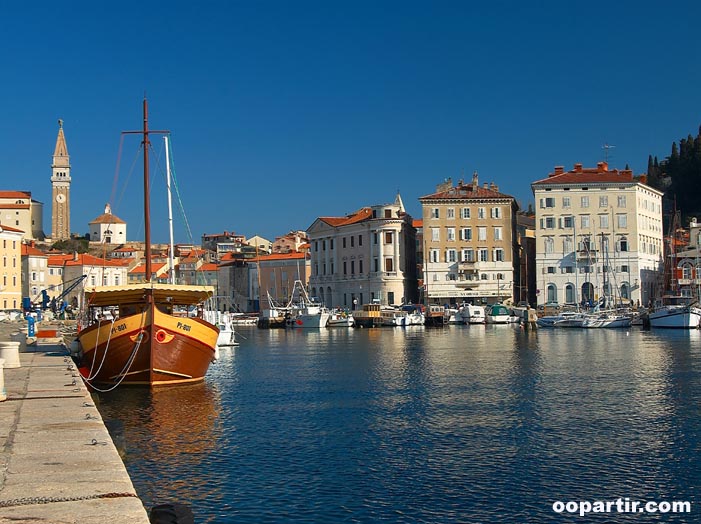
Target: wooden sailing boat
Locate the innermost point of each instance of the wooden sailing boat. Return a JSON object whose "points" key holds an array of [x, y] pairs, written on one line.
{"points": [[151, 339]]}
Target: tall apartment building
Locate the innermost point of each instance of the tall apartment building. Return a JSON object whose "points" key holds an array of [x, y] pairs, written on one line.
{"points": [[469, 243], [598, 234], [11, 269], [20, 211], [365, 256]]}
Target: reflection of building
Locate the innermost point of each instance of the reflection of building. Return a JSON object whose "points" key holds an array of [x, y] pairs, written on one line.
{"points": [[367, 255], [11, 278], [469, 243], [108, 228], [598, 233]]}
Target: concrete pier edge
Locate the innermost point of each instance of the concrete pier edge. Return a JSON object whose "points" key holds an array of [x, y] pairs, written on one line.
{"points": [[57, 460]]}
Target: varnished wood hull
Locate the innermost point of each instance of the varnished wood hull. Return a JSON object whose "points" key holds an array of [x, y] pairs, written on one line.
{"points": [[150, 348]]}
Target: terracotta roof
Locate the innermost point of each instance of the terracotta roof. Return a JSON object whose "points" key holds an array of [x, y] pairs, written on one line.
{"points": [[359, 216], [15, 194], [282, 256], [209, 267], [141, 269], [466, 191], [581, 175], [32, 251], [14, 206], [89, 260], [418, 223], [58, 259], [107, 218], [12, 229]]}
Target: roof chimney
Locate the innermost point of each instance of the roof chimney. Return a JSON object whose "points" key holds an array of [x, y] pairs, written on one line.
{"points": [[486, 185], [578, 168], [602, 166], [559, 170]]}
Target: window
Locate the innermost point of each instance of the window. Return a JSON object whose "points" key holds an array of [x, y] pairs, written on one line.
{"points": [[585, 221], [345, 267], [568, 269], [551, 270], [622, 221], [566, 202], [331, 243], [481, 212], [603, 221], [316, 245], [344, 242], [484, 276], [497, 233], [466, 234], [374, 238], [388, 237], [389, 265], [323, 245], [569, 294], [549, 244], [568, 222], [451, 255], [435, 234], [547, 202], [352, 241], [623, 244], [603, 201], [434, 255], [360, 266], [388, 213], [481, 233], [468, 255], [352, 267], [465, 212], [621, 201], [483, 255], [496, 212], [451, 276], [450, 213], [567, 244], [550, 223], [360, 240], [435, 213], [584, 202], [498, 255], [376, 264], [451, 234]]}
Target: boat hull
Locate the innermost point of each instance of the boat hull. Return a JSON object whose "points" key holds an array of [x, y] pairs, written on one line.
{"points": [[150, 348], [676, 318], [313, 321]]}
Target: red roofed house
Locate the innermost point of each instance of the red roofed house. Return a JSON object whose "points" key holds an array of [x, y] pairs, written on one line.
{"points": [[470, 250], [598, 234], [20, 211], [97, 271], [367, 255]]}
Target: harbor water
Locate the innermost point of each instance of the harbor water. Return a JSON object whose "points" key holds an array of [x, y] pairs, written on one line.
{"points": [[478, 424]]}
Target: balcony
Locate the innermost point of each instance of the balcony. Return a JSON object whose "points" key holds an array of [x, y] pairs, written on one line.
{"points": [[587, 254], [468, 266]]}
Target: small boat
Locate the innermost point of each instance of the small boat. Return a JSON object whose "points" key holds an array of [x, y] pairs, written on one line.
{"points": [[676, 313], [570, 319], [472, 314], [305, 312], [497, 314], [453, 316], [340, 318], [608, 319]]}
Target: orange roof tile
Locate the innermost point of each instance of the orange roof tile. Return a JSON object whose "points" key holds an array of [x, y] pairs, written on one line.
{"points": [[89, 260], [418, 223], [15, 194], [581, 175], [359, 216], [107, 218], [141, 268], [282, 256], [32, 251], [12, 229], [209, 267], [466, 191]]}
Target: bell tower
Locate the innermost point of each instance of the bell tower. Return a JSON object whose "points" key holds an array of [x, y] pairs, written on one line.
{"points": [[60, 189]]}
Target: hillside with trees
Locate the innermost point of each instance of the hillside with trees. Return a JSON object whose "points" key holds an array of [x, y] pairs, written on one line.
{"points": [[679, 176]]}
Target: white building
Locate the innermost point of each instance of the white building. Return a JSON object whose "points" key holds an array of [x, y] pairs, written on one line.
{"points": [[598, 234], [365, 256], [108, 228]]}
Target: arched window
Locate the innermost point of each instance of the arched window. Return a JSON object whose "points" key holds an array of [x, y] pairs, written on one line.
{"points": [[625, 291], [549, 244], [569, 294], [587, 291], [552, 293], [623, 244], [686, 270]]}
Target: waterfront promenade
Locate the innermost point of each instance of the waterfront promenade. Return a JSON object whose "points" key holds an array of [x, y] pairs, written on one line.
{"points": [[57, 460]]}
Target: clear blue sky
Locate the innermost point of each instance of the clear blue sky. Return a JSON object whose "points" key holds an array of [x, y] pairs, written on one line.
{"points": [[281, 112]]}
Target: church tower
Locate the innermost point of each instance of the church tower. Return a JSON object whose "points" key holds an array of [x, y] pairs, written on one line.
{"points": [[61, 189]]}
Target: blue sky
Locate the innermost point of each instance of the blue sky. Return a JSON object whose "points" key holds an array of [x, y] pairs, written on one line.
{"points": [[281, 112]]}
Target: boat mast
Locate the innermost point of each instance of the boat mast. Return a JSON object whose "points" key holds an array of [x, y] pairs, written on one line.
{"points": [[147, 208], [171, 261]]}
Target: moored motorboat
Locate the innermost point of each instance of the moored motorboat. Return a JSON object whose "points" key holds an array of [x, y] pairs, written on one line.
{"points": [[497, 314], [676, 316]]}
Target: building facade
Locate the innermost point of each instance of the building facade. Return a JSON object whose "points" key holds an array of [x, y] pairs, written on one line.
{"points": [[11, 269], [470, 249], [369, 255], [96, 272], [61, 189], [108, 228], [35, 269], [599, 234], [18, 210]]}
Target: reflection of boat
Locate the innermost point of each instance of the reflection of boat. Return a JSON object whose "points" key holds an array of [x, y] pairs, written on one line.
{"points": [[147, 343], [497, 314]]}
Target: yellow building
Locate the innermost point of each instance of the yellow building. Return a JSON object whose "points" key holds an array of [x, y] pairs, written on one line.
{"points": [[11, 278], [469, 235]]}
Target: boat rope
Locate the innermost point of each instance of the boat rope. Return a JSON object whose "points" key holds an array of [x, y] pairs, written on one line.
{"points": [[104, 353], [30, 501]]}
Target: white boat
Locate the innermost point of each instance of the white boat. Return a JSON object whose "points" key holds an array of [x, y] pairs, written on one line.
{"points": [[608, 319], [453, 316], [497, 314], [676, 313], [338, 318], [413, 316], [305, 312], [227, 334], [570, 319], [472, 314]]}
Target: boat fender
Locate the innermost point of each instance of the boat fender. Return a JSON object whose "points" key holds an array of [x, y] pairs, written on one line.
{"points": [[171, 513]]}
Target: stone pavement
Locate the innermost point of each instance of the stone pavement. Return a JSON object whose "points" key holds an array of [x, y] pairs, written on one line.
{"points": [[58, 463]]}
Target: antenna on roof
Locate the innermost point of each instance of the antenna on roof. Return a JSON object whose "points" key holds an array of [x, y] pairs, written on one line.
{"points": [[606, 148]]}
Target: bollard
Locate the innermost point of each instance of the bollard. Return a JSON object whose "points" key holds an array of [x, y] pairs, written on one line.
{"points": [[3, 393], [9, 351]]}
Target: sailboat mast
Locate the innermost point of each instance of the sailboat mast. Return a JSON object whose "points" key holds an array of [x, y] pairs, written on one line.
{"points": [[171, 260], [147, 207]]}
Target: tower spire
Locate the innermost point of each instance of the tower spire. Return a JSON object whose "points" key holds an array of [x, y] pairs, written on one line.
{"points": [[60, 188]]}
